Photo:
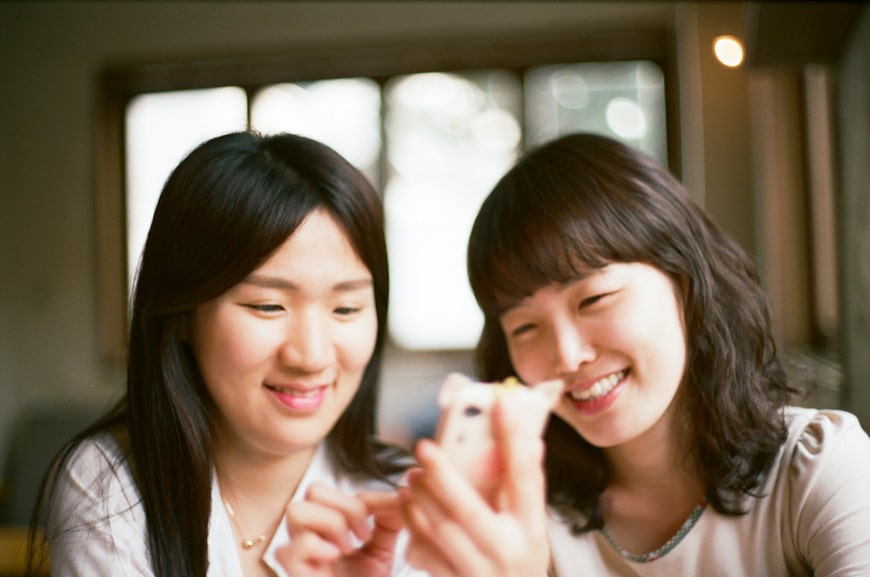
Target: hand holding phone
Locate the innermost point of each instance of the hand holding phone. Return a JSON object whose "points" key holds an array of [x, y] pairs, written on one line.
{"points": [[465, 429]]}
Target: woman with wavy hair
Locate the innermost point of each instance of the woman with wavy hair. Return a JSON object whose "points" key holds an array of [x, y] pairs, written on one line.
{"points": [[674, 449], [256, 334]]}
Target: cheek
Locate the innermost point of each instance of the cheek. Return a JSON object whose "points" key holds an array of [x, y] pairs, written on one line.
{"points": [[529, 361], [223, 349], [663, 336], [356, 344]]}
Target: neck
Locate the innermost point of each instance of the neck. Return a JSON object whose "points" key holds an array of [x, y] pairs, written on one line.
{"points": [[659, 461], [256, 489], [248, 476]]}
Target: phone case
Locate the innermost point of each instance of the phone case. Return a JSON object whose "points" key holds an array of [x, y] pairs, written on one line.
{"points": [[465, 429]]}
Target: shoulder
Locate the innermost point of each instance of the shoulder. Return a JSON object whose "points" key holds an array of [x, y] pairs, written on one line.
{"points": [[95, 520], [822, 490], [96, 457], [825, 464], [827, 453], [101, 447], [816, 434], [96, 475]]}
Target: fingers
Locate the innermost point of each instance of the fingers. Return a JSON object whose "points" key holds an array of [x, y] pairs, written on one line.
{"points": [[456, 532], [331, 529], [384, 506], [308, 556], [446, 486], [431, 546], [451, 537], [388, 522], [331, 514], [445, 514], [522, 452]]}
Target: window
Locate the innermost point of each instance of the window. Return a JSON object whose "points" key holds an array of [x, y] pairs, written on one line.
{"points": [[434, 143], [161, 129]]}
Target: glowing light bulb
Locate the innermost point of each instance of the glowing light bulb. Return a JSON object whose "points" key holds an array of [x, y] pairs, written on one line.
{"points": [[728, 50]]}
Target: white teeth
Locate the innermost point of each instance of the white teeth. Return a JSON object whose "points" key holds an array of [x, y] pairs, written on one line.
{"points": [[599, 389]]}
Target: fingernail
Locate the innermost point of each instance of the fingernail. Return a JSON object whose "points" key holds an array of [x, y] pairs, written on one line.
{"points": [[425, 450], [363, 531], [411, 475]]}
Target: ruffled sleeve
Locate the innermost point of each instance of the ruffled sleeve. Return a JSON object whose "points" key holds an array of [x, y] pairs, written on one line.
{"points": [[829, 481]]}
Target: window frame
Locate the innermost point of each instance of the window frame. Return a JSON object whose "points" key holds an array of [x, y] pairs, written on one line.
{"points": [[120, 82]]}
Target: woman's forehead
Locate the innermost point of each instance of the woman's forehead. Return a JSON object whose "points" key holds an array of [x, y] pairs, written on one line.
{"points": [[512, 295]]}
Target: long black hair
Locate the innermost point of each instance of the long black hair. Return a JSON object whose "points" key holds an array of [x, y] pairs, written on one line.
{"points": [[583, 201], [223, 211]]}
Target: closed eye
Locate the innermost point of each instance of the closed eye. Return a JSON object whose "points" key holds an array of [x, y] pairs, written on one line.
{"points": [[346, 311], [522, 329], [268, 308], [589, 301]]}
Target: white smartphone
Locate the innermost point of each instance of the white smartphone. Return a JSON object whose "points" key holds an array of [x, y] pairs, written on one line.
{"points": [[465, 428]]}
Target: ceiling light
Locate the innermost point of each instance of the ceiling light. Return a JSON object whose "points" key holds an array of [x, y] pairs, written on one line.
{"points": [[728, 50]]}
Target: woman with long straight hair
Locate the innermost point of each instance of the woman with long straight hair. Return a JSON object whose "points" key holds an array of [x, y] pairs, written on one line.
{"points": [[256, 335]]}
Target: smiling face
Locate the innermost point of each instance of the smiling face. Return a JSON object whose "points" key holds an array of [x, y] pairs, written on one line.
{"points": [[283, 352], [616, 336]]}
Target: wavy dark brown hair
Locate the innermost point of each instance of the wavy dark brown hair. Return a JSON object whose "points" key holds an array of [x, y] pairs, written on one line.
{"points": [[222, 213], [583, 201]]}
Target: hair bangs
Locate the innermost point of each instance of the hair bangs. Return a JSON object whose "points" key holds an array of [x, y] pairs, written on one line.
{"points": [[521, 243]]}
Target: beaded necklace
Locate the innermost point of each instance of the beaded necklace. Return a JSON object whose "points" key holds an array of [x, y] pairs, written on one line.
{"points": [[667, 547]]}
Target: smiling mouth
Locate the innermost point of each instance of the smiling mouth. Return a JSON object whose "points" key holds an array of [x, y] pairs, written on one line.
{"points": [[302, 394], [599, 389], [299, 400]]}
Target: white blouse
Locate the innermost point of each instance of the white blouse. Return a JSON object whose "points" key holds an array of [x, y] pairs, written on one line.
{"points": [[98, 526]]}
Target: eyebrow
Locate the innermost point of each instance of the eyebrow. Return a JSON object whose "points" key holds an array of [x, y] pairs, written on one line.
{"points": [[272, 282]]}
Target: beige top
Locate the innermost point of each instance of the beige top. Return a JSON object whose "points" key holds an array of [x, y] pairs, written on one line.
{"points": [[814, 517]]}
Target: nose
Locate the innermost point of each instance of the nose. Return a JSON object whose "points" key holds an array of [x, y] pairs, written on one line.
{"points": [[307, 345], [571, 347]]}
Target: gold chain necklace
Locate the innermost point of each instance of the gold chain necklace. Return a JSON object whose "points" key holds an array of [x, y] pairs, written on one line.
{"points": [[246, 543]]}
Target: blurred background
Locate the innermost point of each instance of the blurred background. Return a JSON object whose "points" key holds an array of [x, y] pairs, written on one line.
{"points": [[433, 101]]}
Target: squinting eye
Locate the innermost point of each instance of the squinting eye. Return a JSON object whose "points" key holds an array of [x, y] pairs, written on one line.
{"points": [[592, 300], [345, 311], [266, 308], [522, 329]]}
